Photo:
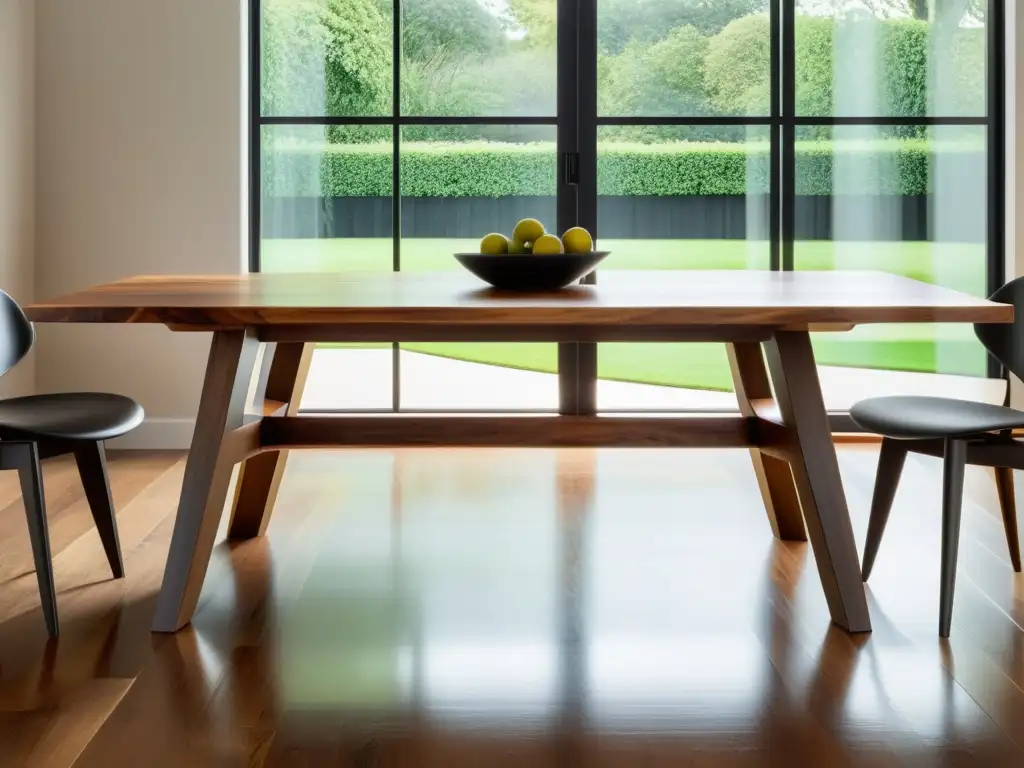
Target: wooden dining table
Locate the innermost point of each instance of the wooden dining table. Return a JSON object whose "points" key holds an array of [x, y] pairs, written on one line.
{"points": [[264, 328]]}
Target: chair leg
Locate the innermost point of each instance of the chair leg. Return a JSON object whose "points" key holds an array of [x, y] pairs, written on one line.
{"points": [[952, 500], [92, 467], [1008, 506], [30, 474], [887, 478]]}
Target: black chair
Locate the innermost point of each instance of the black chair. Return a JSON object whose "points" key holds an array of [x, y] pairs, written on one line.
{"points": [[40, 426], [963, 433]]}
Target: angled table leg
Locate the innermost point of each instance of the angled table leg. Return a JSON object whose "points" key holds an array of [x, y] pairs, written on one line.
{"points": [[816, 473], [214, 452], [774, 477], [260, 477]]}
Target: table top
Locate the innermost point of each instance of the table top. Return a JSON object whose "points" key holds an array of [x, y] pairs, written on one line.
{"points": [[638, 298]]}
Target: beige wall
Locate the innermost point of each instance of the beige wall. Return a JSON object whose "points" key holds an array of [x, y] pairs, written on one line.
{"points": [[140, 160], [16, 171]]}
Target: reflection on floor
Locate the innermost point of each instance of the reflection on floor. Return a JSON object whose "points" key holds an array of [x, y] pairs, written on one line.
{"points": [[510, 608], [361, 378]]}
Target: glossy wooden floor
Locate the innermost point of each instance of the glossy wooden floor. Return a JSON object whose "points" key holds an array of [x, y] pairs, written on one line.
{"points": [[510, 608]]}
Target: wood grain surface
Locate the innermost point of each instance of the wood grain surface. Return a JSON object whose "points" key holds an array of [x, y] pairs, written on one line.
{"points": [[774, 477], [509, 608], [642, 298], [259, 478], [319, 431]]}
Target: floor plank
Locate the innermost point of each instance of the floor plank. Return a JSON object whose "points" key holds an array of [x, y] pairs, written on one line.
{"points": [[510, 608]]}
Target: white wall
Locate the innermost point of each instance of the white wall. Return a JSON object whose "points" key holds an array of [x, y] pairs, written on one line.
{"points": [[17, 86], [140, 169]]}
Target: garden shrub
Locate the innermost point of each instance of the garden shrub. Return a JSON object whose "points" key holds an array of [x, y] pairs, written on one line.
{"points": [[430, 27], [333, 57], [815, 67], [737, 67], [905, 86], [666, 78], [499, 84], [622, 22], [485, 169], [439, 87], [325, 58]]}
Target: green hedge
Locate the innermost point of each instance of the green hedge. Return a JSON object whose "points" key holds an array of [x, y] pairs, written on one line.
{"points": [[482, 169]]}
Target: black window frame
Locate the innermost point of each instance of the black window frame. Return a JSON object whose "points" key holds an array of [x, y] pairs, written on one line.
{"points": [[577, 122]]}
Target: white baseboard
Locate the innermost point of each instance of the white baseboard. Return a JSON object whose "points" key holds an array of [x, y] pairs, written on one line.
{"points": [[157, 435]]}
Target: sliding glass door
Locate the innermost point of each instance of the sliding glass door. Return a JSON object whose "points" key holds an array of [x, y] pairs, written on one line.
{"points": [[738, 134], [394, 134], [683, 170]]}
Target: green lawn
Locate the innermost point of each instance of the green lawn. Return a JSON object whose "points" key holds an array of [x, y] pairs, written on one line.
{"points": [[930, 348]]}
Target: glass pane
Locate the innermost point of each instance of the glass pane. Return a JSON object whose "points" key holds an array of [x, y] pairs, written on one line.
{"points": [[326, 57], [894, 59], [908, 200], [326, 198], [665, 57], [459, 183], [686, 197], [477, 57], [326, 207]]}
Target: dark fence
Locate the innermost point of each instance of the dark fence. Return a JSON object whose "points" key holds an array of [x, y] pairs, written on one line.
{"points": [[867, 217]]}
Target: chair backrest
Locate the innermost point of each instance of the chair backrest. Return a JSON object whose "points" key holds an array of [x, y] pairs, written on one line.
{"points": [[1005, 341], [16, 333]]}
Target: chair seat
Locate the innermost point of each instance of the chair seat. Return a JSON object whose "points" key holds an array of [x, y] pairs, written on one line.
{"points": [[920, 418], [70, 416]]}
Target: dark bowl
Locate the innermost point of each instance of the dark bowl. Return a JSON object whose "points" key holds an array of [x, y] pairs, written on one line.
{"points": [[526, 272]]}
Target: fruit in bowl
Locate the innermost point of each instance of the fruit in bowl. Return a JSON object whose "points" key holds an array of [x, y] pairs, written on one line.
{"points": [[519, 248], [528, 231], [530, 238], [559, 262], [577, 240], [494, 244], [546, 245]]}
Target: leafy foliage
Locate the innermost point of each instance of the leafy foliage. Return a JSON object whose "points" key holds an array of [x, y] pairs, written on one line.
{"points": [[293, 42], [447, 27], [501, 84], [621, 22], [538, 21], [439, 87], [944, 11], [666, 78], [334, 57], [737, 68], [489, 169], [325, 57]]}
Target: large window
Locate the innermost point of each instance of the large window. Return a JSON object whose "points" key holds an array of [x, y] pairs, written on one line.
{"points": [[735, 134]]}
